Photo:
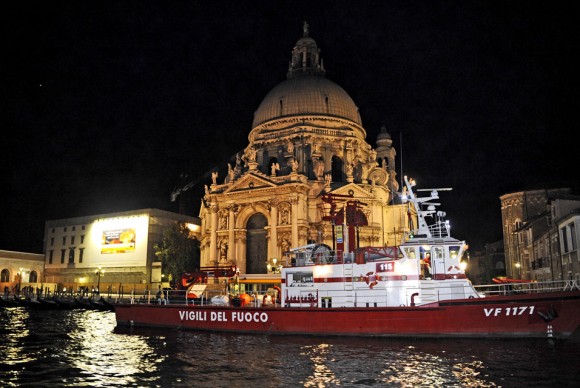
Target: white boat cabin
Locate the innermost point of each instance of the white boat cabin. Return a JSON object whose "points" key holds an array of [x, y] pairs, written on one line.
{"points": [[426, 268]]}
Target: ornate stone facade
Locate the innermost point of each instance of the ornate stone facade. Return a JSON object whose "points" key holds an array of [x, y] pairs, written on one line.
{"points": [[307, 140]]}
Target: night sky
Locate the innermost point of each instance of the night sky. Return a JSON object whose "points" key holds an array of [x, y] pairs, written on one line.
{"points": [[105, 104]]}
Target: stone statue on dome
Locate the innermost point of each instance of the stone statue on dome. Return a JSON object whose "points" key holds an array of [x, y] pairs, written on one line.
{"points": [[230, 176], [372, 156], [318, 165], [250, 155], [294, 165]]}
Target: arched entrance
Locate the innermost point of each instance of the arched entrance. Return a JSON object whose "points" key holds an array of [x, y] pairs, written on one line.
{"points": [[257, 247]]}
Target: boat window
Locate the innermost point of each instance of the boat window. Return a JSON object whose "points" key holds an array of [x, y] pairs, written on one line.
{"points": [[300, 278], [454, 252], [410, 252], [438, 252]]}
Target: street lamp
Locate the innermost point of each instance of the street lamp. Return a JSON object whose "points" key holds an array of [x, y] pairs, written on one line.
{"points": [[518, 265], [99, 272]]}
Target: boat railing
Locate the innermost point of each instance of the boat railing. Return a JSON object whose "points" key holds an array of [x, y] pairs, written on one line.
{"points": [[181, 297], [439, 229], [527, 288]]}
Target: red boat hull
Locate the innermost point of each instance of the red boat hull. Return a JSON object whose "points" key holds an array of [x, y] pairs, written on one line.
{"points": [[532, 315]]}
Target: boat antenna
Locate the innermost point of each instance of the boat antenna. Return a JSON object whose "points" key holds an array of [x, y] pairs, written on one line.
{"points": [[401, 148]]}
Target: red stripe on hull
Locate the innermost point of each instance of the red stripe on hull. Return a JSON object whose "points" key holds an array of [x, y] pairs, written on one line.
{"points": [[518, 316]]}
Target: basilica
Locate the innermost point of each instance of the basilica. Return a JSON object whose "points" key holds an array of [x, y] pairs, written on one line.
{"points": [[307, 176]]}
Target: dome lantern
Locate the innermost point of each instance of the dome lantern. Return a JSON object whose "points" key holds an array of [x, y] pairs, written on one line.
{"points": [[305, 56]]}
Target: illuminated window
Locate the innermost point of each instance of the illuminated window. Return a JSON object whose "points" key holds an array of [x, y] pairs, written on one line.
{"points": [[454, 252]]}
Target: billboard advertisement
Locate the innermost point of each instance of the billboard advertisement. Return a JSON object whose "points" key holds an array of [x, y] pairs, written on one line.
{"points": [[118, 241]]}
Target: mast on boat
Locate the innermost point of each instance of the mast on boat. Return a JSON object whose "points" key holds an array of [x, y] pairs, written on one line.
{"points": [[424, 208]]}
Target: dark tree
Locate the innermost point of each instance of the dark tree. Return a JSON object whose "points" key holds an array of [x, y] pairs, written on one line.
{"points": [[178, 251]]}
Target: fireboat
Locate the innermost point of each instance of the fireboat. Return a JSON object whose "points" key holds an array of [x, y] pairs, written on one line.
{"points": [[416, 289]]}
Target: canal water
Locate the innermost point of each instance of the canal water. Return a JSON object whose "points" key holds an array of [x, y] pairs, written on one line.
{"points": [[85, 348]]}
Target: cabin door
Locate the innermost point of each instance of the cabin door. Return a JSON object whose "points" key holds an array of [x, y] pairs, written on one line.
{"points": [[438, 262], [256, 244]]}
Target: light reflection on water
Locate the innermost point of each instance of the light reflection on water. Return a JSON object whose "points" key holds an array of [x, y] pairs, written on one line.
{"points": [[85, 348]]}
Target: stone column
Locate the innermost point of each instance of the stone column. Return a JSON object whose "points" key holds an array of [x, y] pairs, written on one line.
{"points": [[241, 250], [213, 242], [273, 246], [294, 201], [231, 241]]}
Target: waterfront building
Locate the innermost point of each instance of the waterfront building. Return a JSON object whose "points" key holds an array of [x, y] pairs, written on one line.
{"points": [[20, 269], [568, 227], [541, 234], [108, 249], [307, 158]]}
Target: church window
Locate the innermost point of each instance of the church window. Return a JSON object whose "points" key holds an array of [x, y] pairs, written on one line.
{"points": [[337, 169]]}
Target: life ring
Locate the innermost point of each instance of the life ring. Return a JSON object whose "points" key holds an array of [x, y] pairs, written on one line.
{"points": [[471, 296], [372, 279]]}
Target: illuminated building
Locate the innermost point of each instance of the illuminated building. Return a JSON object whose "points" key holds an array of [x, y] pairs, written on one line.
{"points": [[307, 140], [22, 268], [120, 244]]}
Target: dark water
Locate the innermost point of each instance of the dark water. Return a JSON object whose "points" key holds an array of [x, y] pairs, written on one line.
{"points": [[85, 349]]}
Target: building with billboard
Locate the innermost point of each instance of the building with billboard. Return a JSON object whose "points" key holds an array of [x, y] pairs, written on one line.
{"points": [[108, 249]]}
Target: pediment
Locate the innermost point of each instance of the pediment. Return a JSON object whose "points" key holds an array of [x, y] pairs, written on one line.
{"points": [[250, 181], [354, 190]]}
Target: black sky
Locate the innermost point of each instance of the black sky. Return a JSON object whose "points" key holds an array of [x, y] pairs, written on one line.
{"points": [[104, 104]]}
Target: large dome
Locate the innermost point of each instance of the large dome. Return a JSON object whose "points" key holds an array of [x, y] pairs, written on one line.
{"points": [[306, 95]]}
